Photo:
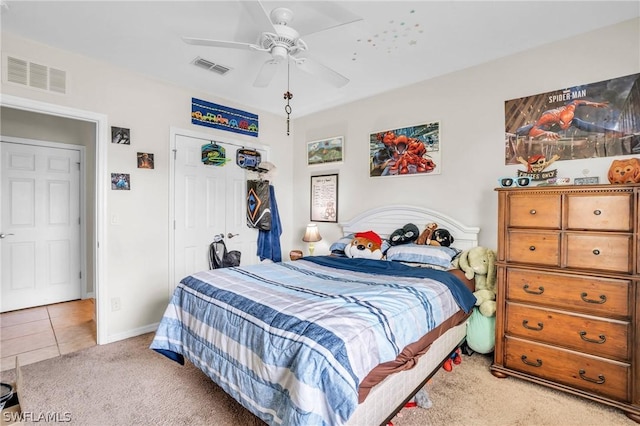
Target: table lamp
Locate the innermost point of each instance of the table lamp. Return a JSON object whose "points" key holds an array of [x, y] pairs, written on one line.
{"points": [[311, 235]]}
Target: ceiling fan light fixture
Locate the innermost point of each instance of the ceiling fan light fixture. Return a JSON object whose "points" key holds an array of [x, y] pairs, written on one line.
{"points": [[279, 53]]}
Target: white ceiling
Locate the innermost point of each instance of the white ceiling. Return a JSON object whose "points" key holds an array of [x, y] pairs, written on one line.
{"points": [[396, 43]]}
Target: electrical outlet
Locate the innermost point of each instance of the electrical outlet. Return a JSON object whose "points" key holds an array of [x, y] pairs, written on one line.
{"points": [[115, 304]]}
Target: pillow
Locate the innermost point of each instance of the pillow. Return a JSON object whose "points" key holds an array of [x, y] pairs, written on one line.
{"points": [[438, 256], [337, 248]]}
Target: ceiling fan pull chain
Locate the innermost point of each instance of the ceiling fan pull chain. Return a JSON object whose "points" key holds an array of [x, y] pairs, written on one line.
{"points": [[288, 95]]}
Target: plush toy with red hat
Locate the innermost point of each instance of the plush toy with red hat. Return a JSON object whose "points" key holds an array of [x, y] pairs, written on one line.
{"points": [[366, 245]]}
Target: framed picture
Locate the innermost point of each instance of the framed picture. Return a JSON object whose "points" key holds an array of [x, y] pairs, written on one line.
{"points": [[121, 181], [120, 135], [325, 151], [145, 160], [407, 151], [324, 198]]}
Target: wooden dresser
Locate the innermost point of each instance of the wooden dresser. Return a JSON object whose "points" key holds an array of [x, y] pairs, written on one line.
{"points": [[569, 290]]}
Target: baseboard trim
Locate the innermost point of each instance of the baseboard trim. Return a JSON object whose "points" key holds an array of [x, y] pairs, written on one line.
{"points": [[132, 333]]}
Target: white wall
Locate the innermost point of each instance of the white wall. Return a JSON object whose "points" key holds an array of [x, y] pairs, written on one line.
{"points": [[138, 248], [470, 107]]}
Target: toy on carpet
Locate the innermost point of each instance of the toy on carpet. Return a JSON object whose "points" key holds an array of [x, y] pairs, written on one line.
{"points": [[367, 245], [455, 358]]}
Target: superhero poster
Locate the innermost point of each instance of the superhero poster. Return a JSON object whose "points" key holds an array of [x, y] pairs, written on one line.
{"points": [[412, 151], [592, 120]]}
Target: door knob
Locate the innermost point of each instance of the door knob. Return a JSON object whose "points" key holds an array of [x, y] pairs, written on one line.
{"points": [[4, 235], [230, 235]]}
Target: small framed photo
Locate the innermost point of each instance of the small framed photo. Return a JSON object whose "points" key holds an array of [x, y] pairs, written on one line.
{"points": [[324, 198], [325, 151], [120, 135], [121, 181], [145, 160], [589, 180]]}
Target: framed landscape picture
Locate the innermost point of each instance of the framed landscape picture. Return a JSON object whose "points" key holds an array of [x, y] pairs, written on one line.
{"points": [[325, 151]]}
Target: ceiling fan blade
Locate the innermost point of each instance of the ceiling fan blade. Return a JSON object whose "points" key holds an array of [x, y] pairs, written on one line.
{"points": [[266, 74], [220, 43], [260, 16], [322, 71]]}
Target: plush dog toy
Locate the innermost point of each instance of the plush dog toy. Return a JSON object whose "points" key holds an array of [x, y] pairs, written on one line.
{"points": [[405, 235], [367, 245], [441, 237]]}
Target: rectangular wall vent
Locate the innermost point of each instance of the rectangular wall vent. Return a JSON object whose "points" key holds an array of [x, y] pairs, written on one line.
{"points": [[35, 75], [211, 66]]}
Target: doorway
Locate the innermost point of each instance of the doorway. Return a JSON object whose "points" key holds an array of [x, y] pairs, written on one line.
{"points": [[97, 139], [41, 223], [207, 200]]}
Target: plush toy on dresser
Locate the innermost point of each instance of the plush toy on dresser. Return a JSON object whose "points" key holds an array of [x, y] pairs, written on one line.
{"points": [[479, 263]]}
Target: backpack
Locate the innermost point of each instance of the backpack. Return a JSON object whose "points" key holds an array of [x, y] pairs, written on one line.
{"points": [[219, 257]]}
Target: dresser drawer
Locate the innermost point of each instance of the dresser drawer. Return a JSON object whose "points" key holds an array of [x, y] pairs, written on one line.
{"points": [[541, 248], [591, 335], [590, 373], [592, 295], [599, 251], [600, 213], [532, 211]]}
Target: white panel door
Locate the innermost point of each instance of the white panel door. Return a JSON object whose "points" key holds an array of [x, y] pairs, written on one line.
{"points": [[40, 225], [209, 200]]}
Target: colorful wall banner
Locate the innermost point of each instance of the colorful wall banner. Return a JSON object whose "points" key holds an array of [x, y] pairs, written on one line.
{"points": [[208, 114], [592, 120]]}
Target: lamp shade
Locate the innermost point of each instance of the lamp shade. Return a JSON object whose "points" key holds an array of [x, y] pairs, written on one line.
{"points": [[311, 235]]}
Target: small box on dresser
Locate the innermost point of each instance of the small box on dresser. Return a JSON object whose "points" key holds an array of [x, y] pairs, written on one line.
{"points": [[568, 291]]}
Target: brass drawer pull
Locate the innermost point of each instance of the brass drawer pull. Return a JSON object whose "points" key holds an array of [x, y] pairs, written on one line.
{"points": [[598, 381], [597, 212], [602, 300], [525, 324], [532, 211], [538, 362], [532, 248], [540, 290], [602, 337], [596, 252]]}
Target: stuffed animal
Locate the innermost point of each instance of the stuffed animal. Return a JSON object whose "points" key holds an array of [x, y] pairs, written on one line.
{"points": [[405, 235], [625, 171], [367, 245], [425, 236], [480, 263], [441, 237]]}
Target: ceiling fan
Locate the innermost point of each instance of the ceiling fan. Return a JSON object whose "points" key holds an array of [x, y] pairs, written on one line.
{"points": [[281, 41]]}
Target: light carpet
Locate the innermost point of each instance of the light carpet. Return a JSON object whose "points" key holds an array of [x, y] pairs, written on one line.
{"points": [[126, 383]]}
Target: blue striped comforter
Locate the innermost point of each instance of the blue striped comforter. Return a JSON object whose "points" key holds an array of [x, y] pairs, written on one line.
{"points": [[291, 341]]}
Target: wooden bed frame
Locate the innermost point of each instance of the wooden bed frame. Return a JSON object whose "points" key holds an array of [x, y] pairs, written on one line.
{"points": [[388, 397]]}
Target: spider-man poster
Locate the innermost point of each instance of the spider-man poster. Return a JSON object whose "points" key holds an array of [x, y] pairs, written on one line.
{"points": [[593, 120], [413, 150]]}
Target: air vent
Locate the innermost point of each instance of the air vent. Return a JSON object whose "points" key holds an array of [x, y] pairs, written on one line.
{"points": [[35, 75], [211, 66]]}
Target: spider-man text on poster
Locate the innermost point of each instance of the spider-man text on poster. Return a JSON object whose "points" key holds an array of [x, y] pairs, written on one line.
{"points": [[592, 120]]}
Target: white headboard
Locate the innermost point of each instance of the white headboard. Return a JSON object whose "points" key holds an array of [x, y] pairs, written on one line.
{"points": [[385, 220]]}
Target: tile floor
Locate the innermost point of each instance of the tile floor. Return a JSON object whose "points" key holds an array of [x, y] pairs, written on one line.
{"points": [[44, 332]]}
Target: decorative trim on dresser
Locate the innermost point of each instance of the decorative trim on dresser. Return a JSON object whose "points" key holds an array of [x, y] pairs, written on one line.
{"points": [[569, 290]]}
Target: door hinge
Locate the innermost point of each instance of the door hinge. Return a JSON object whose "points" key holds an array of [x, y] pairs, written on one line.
{"points": [[175, 152], [80, 274]]}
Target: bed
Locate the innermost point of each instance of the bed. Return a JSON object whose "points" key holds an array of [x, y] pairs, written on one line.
{"points": [[313, 341]]}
